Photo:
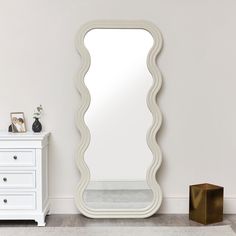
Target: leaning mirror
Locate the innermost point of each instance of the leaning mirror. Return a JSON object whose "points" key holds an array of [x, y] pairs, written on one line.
{"points": [[118, 119]]}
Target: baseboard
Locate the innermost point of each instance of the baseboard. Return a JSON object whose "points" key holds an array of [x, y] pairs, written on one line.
{"points": [[63, 205], [170, 205]]}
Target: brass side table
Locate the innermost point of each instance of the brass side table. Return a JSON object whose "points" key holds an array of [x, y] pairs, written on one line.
{"points": [[206, 203]]}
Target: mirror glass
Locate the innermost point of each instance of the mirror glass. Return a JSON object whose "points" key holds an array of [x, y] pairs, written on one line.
{"points": [[118, 118]]}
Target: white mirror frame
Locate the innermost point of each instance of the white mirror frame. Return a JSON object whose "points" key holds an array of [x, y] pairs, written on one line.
{"points": [[151, 135]]}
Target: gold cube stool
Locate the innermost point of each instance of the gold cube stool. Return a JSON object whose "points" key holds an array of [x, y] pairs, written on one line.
{"points": [[206, 203]]}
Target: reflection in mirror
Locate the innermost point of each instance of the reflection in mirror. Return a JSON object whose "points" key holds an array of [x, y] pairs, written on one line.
{"points": [[118, 118]]}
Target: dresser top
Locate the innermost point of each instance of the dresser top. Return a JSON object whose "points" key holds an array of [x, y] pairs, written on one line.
{"points": [[23, 136]]}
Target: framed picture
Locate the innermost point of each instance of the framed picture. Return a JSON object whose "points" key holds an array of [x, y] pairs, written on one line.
{"points": [[18, 122]]}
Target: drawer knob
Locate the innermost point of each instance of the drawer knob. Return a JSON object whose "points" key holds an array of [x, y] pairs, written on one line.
{"points": [[15, 157], [5, 179], [5, 200]]}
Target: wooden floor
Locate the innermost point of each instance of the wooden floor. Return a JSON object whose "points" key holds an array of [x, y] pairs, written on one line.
{"points": [[81, 221]]}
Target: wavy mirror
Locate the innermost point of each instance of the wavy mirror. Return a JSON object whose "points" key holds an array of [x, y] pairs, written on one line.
{"points": [[118, 119]]}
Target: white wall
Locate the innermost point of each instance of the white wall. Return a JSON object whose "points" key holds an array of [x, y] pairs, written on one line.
{"points": [[38, 62]]}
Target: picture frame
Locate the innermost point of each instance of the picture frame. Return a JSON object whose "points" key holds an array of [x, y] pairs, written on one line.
{"points": [[18, 122]]}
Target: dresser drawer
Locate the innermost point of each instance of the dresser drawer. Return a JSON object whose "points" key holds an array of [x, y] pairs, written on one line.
{"points": [[17, 179], [19, 201], [14, 158]]}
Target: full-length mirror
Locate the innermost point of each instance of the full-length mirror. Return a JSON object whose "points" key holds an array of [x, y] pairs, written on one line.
{"points": [[118, 118], [118, 121]]}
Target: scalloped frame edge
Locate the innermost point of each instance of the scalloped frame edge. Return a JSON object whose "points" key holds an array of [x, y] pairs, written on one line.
{"points": [[151, 134]]}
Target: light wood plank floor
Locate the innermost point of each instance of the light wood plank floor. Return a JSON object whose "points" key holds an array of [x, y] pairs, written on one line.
{"points": [[81, 221]]}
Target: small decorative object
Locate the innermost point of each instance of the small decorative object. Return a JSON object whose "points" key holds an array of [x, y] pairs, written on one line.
{"points": [[37, 126], [17, 122], [10, 128], [206, 203]]}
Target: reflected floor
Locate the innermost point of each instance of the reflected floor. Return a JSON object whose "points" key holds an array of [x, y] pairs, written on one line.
{"points": [[114, 199]]}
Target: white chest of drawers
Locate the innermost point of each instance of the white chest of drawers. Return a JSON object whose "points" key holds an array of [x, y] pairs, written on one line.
{"points": [[24, 176]]}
